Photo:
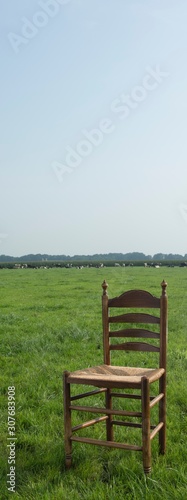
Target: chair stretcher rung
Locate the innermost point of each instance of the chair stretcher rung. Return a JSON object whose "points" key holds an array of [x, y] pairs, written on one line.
{"points": [[121, 395], [106, 411], [126, 424], [156, 429], [129, 424], [111, 444], [86, 394], [156, 399], [90, 422]]}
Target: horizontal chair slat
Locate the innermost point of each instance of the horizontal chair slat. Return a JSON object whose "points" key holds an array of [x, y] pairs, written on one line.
{"points": [[134, 346], [110, 444], [106, 411], [135, 333], [135, 318], [135, 298]]}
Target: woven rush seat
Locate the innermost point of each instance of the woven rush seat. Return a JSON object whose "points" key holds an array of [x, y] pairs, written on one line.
{"points": [[114, 376]]}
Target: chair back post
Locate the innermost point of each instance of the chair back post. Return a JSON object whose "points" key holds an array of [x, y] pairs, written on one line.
{"points": [[163, 325], [106, 348]]}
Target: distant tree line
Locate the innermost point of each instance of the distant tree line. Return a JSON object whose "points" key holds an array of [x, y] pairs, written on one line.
{"points": [[116, 257], [97, 260]]}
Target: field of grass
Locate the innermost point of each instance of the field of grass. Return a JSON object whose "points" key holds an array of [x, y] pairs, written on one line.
{"points": [[50, 320]]}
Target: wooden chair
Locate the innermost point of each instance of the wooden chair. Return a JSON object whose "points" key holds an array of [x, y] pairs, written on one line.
{"points": [[108, 377]]}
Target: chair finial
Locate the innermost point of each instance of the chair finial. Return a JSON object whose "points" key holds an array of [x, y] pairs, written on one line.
{"points": [[163, 285], [105, 286]]}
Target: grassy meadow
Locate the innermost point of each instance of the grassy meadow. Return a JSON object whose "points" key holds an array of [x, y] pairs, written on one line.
{"points": [[50, 320]]}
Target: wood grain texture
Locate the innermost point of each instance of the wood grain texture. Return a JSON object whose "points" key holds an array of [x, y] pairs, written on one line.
{"points": [[135, 298]]}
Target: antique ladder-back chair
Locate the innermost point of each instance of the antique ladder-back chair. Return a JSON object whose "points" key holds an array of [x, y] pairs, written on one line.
{"points": [[107, 377]]}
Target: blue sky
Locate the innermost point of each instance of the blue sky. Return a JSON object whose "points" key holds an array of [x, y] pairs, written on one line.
{"points": [[93, 126]]}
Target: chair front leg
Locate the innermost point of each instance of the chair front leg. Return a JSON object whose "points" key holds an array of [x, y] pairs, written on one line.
{"points": [[162, 415], [146, 442], [67, 422]]}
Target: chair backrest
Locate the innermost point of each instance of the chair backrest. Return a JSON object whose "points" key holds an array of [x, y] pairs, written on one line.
{"points": [[135, 301]]}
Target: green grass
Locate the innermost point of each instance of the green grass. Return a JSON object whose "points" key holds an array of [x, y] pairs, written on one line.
{"points": [[50, 320]]}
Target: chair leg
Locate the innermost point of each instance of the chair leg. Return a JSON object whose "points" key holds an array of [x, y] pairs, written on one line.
{"points": [[109, 426], [162, 415], [146, 442], [67, 423]]}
